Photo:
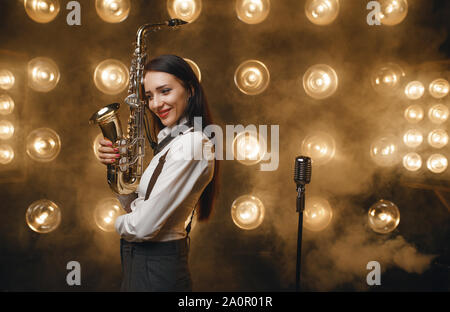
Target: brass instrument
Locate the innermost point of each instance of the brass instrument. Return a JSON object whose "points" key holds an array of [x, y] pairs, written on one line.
{"points": [[124, 177]]}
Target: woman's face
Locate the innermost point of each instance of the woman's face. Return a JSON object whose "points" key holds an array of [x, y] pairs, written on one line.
{"points": [[167, 98]]}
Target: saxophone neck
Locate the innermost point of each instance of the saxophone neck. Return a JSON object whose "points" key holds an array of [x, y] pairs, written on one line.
{"points": [[146, 27]]}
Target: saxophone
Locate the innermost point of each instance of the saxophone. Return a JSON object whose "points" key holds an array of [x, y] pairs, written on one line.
{"points": [[123, 177]]}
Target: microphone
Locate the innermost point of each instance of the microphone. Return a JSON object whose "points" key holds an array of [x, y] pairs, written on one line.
{"points": [[302, 176]]}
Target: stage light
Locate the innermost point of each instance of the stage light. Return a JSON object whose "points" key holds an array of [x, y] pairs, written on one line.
{"points": [[412, 161], [392, 12], [413, 138], [42, 11], [414, 90], [252, 77], [437, 163], [113, 11], [43, 216], [252, 11], [438, 113], [7, 79], [438, 138], [43, 74], [6, 154], [105, 213], [111, 77], [247, 212], [195, 68], [43, 144], [320, 81], [186, 10], [320, 147], [384, 151], [439, 88], [414, 114], [248, 149], [384, 216], [6, 129], [6, 104], [322, 12], [317, 214], [387, 78]]}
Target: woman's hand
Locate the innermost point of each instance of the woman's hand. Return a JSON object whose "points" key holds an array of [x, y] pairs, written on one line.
{"points": [[107, 153]]}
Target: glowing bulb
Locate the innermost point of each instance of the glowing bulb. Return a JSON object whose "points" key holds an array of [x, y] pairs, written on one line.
{"points": [[43, 144], [252, 11], [43, 216], [6, 154], [320, 81], [392, 12], [414, 114], [322, 12], [43, 74], [7, 79], [317, 214], [387, 78], [413, 138], [195, 68], [414, 90], [320, 147], [383, 216], [438, 113], [6, 129], [42, 11], [384, 151], [439, 88], [111, 77], [186, 10], [113, 11], [437, 163], [412, 161], [247, 212], [105, 213], [252, 77], [438, 138], [248, 149]]}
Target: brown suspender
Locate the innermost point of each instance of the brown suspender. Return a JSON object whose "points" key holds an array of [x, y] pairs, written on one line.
{"points": [[156, 174]]}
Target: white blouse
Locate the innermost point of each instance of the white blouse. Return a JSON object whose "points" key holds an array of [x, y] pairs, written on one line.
{"points": [[188, 169]]}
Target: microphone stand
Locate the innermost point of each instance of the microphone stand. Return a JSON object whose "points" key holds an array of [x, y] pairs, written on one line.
{"points": [[300, 209]]}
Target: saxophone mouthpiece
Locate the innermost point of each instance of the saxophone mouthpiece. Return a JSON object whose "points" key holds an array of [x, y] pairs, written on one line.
{"points": [[176, 22]]}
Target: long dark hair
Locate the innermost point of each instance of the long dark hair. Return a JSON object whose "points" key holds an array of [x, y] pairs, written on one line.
{"points": [[197, 107]]}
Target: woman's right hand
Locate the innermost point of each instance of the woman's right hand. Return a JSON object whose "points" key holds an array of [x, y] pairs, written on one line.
{"points": [[107, 153]]}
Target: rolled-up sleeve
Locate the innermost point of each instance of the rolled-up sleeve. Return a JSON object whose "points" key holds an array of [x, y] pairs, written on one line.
{"points": [[173, 186]]}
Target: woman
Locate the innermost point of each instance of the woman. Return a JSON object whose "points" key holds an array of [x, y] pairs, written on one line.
{"points": [[154, 241]]}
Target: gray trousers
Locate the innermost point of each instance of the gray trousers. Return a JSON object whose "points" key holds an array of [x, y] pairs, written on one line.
{"points": [[155, 266]]}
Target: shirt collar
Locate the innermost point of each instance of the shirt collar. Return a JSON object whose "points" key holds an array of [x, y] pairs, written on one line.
{"points": [[167, 130]]}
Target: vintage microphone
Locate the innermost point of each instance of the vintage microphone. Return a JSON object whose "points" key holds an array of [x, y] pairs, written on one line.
{"points": [[302, 176]]}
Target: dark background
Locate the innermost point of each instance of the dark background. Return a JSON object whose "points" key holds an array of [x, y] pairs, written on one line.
{"points": [[224, 257]]}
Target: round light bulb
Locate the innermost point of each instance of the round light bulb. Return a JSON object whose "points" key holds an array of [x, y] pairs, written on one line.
{"points": [[42, 11], [437, 163], [387, 78], [438, 113], [252, 77], [6, 154], [186, 10], [414, 90], [439, 88], [320, 147], [438, 138], [7, 79], [43, 216], [384, 151], [320, 81], [43, 74], [111, 77], [414, 114], [322, 12], [247, 212], [248, 148], [43, 144], [384, 216], [6, 104], [413, 138], [317, 214], [6, 129], [392, 12], [252, 11], [113, 11], [105, 213], [195, 69], [412, 161]]}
